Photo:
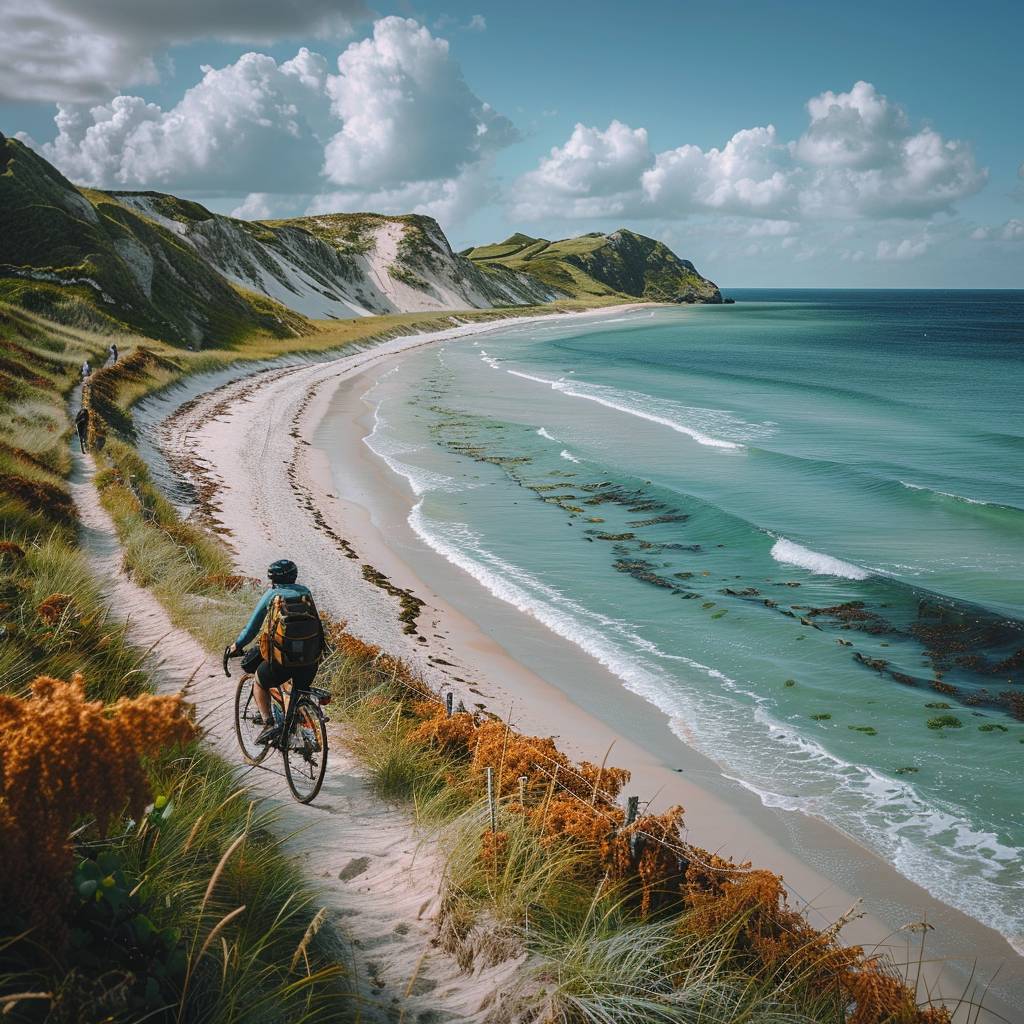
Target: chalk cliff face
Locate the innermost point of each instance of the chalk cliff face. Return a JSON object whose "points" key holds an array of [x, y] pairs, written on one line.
{"points": [[623, 263], [171, 269], [339, 264]]}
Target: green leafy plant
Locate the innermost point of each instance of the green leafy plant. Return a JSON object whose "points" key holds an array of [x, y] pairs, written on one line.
{"points": [[111, 931]]}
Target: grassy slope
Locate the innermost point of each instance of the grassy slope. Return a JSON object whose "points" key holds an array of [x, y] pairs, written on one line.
{"points": [[40, 565], [623, 263], [143, 277], [54, 621]]}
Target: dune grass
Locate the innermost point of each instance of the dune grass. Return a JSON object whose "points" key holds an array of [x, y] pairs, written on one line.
{"points": [[209, 922], [56, 622], [209, 850]]}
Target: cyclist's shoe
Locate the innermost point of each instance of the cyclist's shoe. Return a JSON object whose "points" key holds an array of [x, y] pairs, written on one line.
{"points": [[268, 734]]}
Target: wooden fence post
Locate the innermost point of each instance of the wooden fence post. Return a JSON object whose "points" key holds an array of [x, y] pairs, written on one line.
{"points": [[632, 807], [522, 789], [491, 804]]}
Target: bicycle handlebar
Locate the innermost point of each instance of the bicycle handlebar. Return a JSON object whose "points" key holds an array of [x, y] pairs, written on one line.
{"points": [[228, 654]]}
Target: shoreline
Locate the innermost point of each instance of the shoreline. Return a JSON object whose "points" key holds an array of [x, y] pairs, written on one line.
{"points": [[370, 512]]}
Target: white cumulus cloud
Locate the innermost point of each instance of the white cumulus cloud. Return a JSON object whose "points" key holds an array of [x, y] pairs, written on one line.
{"points": [[593, 171], [395, 127], [253, 126], [905, 249], [88, 50], [407, 112], [859, 156], [1011, 231]]}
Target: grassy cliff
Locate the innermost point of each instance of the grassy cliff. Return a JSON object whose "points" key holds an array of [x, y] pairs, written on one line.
{"points": [[81, 257], [621, 263]]}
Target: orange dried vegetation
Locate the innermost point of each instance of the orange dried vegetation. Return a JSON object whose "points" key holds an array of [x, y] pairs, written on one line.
{"points": [[230, 582], [51, 609], [578, 802], [63, 760], [10, 552], [380, 666]]}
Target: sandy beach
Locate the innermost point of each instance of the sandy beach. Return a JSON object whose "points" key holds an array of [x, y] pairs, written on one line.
{"points": [[277, 456]]}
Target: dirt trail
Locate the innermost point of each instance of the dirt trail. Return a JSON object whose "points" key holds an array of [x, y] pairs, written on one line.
{"points": [[379, 885]]}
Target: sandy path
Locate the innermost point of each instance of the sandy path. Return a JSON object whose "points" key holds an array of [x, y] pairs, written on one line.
{"points": [[363, 857]]}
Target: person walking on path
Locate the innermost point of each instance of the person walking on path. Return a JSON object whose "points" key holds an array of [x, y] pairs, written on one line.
{"points": [[113, 353], [82, 426], [86, 369]]}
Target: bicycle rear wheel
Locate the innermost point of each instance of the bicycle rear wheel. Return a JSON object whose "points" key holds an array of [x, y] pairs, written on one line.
{"points": [[248, 722], [305, 751]]}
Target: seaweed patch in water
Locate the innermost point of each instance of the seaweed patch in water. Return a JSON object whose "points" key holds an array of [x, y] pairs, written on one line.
{"points": [[668, 517], [944, 722]]}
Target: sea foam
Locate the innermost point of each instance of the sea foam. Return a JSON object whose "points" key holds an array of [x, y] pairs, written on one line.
{"points": [[823, 565], [631, 403], [942, 494]]}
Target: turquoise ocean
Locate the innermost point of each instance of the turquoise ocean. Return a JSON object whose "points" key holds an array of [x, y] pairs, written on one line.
{"points": [[794, 524]]}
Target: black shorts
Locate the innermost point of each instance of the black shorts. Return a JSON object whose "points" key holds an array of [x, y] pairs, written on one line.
{"points": [[270, 674]]}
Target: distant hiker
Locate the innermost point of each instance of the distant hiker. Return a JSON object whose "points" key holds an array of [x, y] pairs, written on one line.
{"points": [[82, 426], [113, 353], [86, 369], [291, 640]]}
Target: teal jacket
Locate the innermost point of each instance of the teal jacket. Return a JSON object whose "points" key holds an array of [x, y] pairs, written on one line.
{"points": [[259, 613]]}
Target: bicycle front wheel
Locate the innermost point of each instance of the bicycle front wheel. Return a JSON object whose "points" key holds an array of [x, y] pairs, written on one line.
{"points": [[248, 722], [305, 752]]}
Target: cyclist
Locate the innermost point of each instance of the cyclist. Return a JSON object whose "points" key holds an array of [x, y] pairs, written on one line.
{"points": [[291, 639]]}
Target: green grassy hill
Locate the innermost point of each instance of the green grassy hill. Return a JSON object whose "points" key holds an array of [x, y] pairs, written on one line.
{"points": [[621, 263], [81, 257]]}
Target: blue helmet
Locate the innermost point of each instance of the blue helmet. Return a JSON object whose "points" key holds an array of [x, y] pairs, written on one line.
{"points": [[283, 571]]}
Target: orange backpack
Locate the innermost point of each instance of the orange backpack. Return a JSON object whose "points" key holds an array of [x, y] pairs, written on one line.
{"points": [[293, 636]]}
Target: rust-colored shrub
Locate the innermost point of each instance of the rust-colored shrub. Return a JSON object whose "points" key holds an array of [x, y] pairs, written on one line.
{"points": [[230, 582], [10, 553], [492, 849], [453, 735], [566, 817], [654, 860], [51, 609], [64, 759], [882, 997], [39, 496]]}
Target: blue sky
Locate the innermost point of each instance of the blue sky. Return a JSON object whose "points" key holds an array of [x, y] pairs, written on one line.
{"points": [[793, 144]]}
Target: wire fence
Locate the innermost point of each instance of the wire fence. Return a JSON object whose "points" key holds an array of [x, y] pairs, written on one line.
{"points": [[681, 849]]}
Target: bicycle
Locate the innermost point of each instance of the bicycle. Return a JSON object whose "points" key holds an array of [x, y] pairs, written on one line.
{"points": [[301, 740]]}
